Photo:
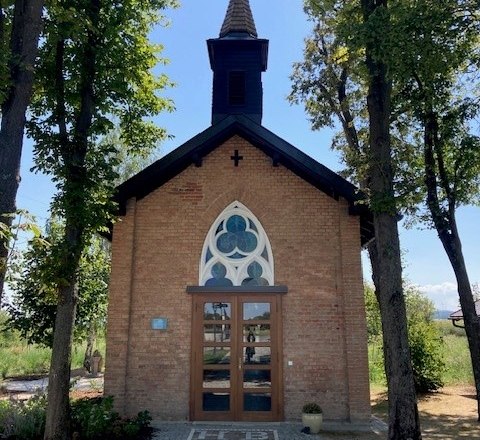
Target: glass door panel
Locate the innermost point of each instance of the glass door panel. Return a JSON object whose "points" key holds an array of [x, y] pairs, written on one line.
{"points": [[256, 311], [235, 366], [217, 311], [216, 378], [257, 379], [257, 355], [216, 355], [215, 402], [257, 402], [257, 331], [217, 332]]}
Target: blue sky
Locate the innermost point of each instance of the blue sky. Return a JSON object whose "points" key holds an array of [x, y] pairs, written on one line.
{"points": [[285, 26]]}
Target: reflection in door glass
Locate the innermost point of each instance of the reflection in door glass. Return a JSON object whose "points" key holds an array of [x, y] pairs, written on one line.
{"points": [[257, 402], [216, 378], [217, 332], [256, 311], [257, 379], [256, 333], [216, 355], [257, 355], [216, 402], [218, 311]]}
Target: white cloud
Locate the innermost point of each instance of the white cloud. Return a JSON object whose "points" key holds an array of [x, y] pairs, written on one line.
{"points": [[444, 295]]}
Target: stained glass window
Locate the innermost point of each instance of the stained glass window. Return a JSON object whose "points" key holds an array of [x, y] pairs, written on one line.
{"points": [[236, 251]]}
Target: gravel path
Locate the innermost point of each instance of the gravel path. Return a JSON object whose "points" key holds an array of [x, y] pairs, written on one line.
{"points": [[24, 389]]}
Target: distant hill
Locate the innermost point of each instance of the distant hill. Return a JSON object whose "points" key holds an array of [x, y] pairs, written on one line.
{"points": [[442, 314]]}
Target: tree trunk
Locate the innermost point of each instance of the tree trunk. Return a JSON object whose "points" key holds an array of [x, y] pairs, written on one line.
{"points": [[402, 405], [91, 338], [26, 26], [57, 425], [453, 247], [446, 226], [73, 153], [403, 412]]}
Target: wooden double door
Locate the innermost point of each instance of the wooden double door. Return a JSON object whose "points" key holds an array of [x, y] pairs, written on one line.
{"points": [[236, 359]]}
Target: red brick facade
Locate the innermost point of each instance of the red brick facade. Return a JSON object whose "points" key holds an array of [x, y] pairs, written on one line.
{"points": [[316, 248]]}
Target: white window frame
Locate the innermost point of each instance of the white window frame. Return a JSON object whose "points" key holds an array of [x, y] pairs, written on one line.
{"points": [[236, 269]]}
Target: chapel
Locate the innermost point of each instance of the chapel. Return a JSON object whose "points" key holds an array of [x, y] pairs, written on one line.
{"points": [[236, 290]]}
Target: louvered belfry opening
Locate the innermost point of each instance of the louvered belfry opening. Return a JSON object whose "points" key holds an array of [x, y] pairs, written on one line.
{"points": [[236, 88], [238, 58]]}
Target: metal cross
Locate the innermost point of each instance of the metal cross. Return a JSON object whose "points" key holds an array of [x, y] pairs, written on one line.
{"points": [[236, 158]]}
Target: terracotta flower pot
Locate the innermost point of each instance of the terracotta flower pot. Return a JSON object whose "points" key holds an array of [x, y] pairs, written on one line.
{"points": [[313, 421]]}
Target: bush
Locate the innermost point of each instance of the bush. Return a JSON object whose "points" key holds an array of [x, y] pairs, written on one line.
{"points": [[23, 420], [427, 356], [92, 419], [426, 345], [95, 419]]}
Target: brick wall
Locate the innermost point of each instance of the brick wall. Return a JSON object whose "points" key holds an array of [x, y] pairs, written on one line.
{"points": [[316, 249]]}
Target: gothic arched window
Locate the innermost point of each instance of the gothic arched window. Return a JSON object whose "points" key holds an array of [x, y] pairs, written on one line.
{"points": [[236, 251]]}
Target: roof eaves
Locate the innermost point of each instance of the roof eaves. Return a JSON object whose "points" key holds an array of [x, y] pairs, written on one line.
{"points": [[275, 147], [458, 315]]}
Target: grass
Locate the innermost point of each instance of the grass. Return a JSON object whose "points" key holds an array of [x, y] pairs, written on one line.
{"points": [[22, 359], [457, 361], [375, 364], [458, 367]]}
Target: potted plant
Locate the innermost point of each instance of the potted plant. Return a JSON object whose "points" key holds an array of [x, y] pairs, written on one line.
{"points": [[312, 417]]}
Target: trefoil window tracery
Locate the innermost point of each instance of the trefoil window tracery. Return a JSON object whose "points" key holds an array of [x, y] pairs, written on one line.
{"points": [[236, 251]]}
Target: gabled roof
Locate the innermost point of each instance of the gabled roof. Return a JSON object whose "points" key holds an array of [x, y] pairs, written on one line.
{"points": [[239, 19], [458, 315], [281, 152]]}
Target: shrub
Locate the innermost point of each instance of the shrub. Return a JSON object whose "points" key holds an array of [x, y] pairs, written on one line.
{"points": [[24, 420], [95, 419], [427, 356], [426, 345]]}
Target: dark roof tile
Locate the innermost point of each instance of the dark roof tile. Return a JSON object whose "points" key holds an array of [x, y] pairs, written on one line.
{"points": [[239, 18]]}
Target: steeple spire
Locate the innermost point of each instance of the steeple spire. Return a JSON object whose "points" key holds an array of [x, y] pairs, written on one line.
{"points": [[238, 58], [239, 19]]}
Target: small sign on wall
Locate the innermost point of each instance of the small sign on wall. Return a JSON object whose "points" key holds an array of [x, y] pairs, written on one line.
{"points": [[159, 323]]}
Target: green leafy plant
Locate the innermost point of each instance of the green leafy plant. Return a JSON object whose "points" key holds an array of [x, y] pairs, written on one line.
{"points": [[24, 420], [95, 419], [427, 357], [425, 341], [312, 408]]}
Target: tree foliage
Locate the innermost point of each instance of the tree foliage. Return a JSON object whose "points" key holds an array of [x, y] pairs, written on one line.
{"points": [[20, 25], [429, 53], [34, 300], [95, 72], [432, 54], [122, 92]]}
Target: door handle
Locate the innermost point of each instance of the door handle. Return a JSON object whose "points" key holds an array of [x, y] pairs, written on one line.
{"points": [[240, 363]]}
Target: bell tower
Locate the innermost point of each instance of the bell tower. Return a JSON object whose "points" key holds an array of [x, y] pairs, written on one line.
{"points": [[238, 58]]}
